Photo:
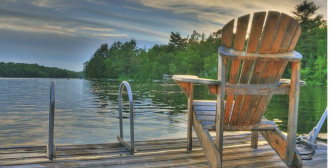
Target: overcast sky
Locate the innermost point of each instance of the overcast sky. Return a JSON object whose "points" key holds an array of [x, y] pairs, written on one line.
{"points": [[66, 33]]}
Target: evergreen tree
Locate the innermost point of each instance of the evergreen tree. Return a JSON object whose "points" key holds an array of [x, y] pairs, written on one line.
{"points": [[312, 43], [176, 40]]}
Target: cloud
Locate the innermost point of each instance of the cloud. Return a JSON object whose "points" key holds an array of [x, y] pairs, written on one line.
{"points": [[211, 11], [34, 22], [56, 4], [111, 35], [95, 29], [98, 2], [134, 8], [62, 29]]}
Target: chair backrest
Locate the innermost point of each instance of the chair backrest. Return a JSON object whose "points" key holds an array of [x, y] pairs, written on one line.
{"points": [[278, 33]]}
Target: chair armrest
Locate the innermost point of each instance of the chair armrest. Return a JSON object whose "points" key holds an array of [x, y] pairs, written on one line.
{"points": [[195, 80], [186, 83], [292, 56]]}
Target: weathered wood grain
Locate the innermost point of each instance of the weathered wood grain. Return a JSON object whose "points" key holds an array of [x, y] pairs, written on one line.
{"points": [[293, 113], [268, 74], [295, 39], [292, 27], [241, 32], [227, 33], [280, 33], [256, 31], [189, 116], [210, 149], [158, 153], [268, 32], [291, 56], [249, 79], [194, 79], [233, 79]]}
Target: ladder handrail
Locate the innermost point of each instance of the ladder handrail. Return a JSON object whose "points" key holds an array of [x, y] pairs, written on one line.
{"points": [[51, 145], [120, 138], [313, 134]]}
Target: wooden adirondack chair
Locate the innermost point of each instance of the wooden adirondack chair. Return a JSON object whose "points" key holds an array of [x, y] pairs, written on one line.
{"points": [[248, 76]]}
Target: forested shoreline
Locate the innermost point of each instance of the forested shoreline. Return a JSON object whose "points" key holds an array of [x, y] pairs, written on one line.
{"points": [[24, 70], [196, 54]]}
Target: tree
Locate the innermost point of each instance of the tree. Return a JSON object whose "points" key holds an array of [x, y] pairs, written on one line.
{"points": [[312, 43], [34, 70], [176, 40], [303, 12]]}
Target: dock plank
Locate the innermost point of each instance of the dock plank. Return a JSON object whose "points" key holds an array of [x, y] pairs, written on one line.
{"points": [[154, 153]]}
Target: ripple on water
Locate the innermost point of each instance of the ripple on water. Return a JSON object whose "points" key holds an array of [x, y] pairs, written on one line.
{"points": [[87, 111]]}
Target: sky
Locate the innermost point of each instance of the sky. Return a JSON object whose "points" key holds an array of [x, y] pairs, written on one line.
{"points": [[66, 33]]}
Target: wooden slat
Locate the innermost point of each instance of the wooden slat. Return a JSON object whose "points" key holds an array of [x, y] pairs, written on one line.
{"points": [[290, 34], [234, 54], [158, 153], [280, 144], [233, 79], [277, 141], [253, 41], [261, 89], [263, 126], [245, 76], [205, 108], [204, 102], [245, 104], [295, 39], [241, 32], [256, 31], [194, 79], [260, 160], [210, 149], [227, 33], [251, 101], [206, 113], [269, 74], [265, 100], [268, 32], [280, 32]]}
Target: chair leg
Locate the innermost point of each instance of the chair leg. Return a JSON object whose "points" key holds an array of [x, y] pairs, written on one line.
{"points": [[189, 131], [293, 114], [254, 139], [190, 117]]}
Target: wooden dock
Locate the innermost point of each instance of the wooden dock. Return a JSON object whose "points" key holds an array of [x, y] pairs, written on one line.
{"points": [[154, 153]]}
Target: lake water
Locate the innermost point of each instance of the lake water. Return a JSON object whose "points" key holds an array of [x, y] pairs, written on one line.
{"points": [[86, 111]]}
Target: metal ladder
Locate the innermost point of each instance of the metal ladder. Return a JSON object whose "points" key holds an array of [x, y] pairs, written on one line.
{"points": [[51, 149], [129, 147], [310, 140], [313, 134]]}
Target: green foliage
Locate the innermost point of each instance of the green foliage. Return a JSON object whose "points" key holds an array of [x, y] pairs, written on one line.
{"points": [[23, 70], [312, 44], [180, 56], [197, 54], [176, 40]]}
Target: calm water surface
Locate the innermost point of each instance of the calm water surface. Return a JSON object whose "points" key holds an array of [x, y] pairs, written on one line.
{"points": [[86, 111]]}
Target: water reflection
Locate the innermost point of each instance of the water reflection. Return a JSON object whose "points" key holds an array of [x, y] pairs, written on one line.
{"points": [[86, 111]]}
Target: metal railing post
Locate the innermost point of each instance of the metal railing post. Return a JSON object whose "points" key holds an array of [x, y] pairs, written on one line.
{"points": [[51, 150], [120, 138], [313, 134]]}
